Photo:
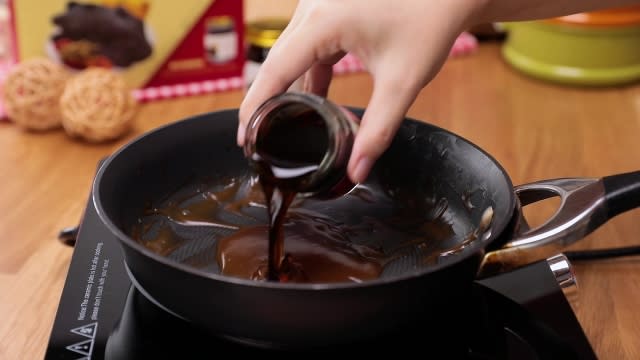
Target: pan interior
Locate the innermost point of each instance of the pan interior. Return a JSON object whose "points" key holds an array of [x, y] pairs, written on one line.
{"points": [[431, 182]]}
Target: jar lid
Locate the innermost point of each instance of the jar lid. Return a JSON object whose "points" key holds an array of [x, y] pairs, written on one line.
{"points": [[265, 32], [220, 22], [615, 17]]}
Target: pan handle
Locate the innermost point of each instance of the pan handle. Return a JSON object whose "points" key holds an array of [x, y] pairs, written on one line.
{"points": [[585, 204]]}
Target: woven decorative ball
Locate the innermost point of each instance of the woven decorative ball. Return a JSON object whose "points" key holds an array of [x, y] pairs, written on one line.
{"points": [[32, 91], [97, 105]]}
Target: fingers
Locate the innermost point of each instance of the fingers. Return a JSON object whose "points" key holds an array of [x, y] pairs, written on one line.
{"points": [[385, 112], [318, 78], [247, 107], [292, 56]]}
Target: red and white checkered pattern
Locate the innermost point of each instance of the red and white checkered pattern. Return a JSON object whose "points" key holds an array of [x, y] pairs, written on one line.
{"points": [[347, 64], [465, 43], [188, 89]]}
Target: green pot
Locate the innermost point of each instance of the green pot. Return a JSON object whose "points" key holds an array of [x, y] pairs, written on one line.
{"points": [[574, 55]]}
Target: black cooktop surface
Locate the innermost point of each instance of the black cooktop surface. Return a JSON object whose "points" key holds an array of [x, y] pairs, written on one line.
{"points": [[101, 315]]}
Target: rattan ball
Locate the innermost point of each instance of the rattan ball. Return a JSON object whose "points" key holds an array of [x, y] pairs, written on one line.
{"points": [[97, 105], [31, 93]]}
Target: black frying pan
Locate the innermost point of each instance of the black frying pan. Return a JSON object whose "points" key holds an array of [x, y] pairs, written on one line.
{"points": [[424, 163]]}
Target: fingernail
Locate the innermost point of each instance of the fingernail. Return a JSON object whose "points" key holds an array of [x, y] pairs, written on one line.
{"points": [[362, 169]]}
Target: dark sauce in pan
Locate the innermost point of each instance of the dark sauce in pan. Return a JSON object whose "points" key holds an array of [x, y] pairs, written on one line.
{"points": [[354, 237], [348, 239]]}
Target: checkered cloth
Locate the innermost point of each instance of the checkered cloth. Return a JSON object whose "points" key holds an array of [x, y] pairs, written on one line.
{"points": [[465, 44]]}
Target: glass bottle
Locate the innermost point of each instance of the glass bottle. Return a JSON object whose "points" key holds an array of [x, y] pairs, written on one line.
{"points": [[261, 35], [303, 142]]}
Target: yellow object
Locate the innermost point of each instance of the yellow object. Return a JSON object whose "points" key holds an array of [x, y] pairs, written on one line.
{"points": [[574, 55], [138, 8], [264, 33], [220, 22], [97, 105], [32, 92]]}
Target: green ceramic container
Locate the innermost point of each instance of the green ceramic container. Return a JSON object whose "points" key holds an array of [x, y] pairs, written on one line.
{"points": [[574, 55]]}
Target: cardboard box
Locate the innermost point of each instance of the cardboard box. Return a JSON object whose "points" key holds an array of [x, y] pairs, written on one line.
{"points": [[162, 48]]}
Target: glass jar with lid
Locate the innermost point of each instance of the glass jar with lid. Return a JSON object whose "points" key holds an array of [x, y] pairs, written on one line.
{"points": [[220, 40], [261, 35]]}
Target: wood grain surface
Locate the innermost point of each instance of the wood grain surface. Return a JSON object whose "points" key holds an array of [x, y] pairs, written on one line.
{"points": [[536, 130]]}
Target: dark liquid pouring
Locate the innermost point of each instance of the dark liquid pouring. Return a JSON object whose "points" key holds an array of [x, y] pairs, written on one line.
{"points": [[375, 230], [278, 202], [288, 150]]}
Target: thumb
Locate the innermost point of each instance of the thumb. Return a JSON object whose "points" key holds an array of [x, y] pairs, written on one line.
{"points": [[390, 101]]}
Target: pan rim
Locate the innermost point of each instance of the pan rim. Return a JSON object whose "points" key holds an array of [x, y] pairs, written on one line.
{"points": [[124, 239]]}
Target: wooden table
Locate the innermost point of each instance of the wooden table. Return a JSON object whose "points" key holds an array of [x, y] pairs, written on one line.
{"points": [[536, 130]]}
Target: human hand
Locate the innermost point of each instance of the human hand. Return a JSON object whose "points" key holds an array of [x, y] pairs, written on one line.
{"points": [[402, 45]]}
